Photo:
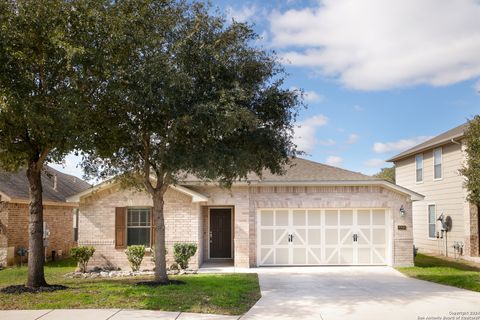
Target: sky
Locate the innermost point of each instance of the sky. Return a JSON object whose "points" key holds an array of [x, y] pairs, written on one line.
{"points": [[379, 76]]}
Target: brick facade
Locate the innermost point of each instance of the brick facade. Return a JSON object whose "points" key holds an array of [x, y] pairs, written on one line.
{"points": [[97, 219], [14, 229], [188, 222]]}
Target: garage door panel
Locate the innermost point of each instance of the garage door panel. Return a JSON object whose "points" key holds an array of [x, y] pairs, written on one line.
{"points": [[314, 237], [299, 255], [331, 236], [346, 256], [364, 256], [300, 237], [364, 236], [267, 256], [314, 218], [282, 256], [331, 256], [331, 217], [343, 236]]}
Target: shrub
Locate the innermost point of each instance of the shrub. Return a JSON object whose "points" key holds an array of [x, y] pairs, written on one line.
{"points": [[183, 252], [135, 256], [82, 255]]}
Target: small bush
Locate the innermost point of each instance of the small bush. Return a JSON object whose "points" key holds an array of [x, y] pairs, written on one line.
{"points": [[135, 256], [82, 255], [183, 252]]}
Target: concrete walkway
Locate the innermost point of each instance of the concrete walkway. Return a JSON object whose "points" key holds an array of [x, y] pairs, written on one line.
{"points": [[343, 293], [107, 314]]}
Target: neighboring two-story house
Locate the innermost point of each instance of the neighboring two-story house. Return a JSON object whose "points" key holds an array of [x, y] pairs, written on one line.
{"points": [[432, 169]]}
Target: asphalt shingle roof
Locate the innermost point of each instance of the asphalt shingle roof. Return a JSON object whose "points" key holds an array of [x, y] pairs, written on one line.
{"points": [[436, 141], [303, 170], [15, 185]]}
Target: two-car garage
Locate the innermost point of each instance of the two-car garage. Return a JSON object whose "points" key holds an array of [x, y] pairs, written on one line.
{"points": [[318, 236]]}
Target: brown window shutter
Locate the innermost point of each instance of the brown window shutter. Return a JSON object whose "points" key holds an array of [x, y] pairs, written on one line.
{"points": [[153, 231], [120, 228]]}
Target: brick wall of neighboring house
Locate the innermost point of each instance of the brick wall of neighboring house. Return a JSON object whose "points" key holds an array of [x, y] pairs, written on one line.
{"points": [[59, 221], [247, 200], [97, 224]]}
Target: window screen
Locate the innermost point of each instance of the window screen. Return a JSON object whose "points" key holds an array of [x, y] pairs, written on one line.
{"points": [[138, 226], [437, 163], [419, 167]]}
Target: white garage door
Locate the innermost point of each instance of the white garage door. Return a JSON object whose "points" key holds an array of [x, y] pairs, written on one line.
{"points": [[322, 237]]}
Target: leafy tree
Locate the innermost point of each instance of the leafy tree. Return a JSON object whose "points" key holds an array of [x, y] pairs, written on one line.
{"points": [[471, 170], [386, 174], [188, 94], [43, 86]]}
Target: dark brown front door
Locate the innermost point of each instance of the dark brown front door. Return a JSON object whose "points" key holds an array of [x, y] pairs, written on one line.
{"points": [[220, 233]]}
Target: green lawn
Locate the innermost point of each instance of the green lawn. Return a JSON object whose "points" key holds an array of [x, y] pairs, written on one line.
{"points": [[457, 273], [219, 293]]}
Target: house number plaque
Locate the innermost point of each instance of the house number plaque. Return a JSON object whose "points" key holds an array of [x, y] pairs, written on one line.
{"points": [[401, 227]]}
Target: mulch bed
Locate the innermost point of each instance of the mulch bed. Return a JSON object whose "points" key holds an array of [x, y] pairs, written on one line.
{"points": [[159, 283], [19, 289]]}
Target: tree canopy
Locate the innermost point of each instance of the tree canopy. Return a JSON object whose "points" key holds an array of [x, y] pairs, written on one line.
{"points": [[188, 93], [386, 174], [45, 86], [471, 170]]}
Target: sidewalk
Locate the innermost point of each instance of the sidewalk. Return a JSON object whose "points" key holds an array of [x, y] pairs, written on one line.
{"points": [[107, 314]]}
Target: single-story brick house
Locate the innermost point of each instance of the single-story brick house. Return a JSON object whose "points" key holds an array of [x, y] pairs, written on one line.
{"points": [[58, 214], [313, 215]]}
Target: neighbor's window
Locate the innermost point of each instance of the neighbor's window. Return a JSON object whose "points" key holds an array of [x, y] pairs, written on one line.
{"points": [[138, 226], [437, 163], [432, 220], [419, 167]]}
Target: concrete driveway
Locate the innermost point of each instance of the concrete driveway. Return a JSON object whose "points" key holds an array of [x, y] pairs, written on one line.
{"points": [[329, 293]]}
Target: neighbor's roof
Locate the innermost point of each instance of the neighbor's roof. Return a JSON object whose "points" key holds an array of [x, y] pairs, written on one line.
{"points": [[441, 139], [15, 185]]}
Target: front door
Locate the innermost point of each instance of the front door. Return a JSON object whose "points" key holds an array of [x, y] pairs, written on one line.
{"points": [[220, 233]]}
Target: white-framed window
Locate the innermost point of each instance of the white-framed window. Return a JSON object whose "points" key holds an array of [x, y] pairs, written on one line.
{"points": [[432, 221], [419, 167], [437, 163], [138, 226]]}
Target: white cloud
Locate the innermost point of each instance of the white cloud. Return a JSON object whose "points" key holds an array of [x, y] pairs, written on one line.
{"points": [[334, 161], [374, 163], [382, 44], [352, 138], [305, 132], [357, 108], [312, 96], [400, 145], [242, 14]]}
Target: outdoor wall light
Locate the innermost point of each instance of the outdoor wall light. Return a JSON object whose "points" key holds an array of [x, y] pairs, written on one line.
{"points": [[402, 211]]}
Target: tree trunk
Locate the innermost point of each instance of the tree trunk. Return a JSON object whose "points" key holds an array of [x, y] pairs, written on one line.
{"points": [[160, 260], [36, 252]]}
